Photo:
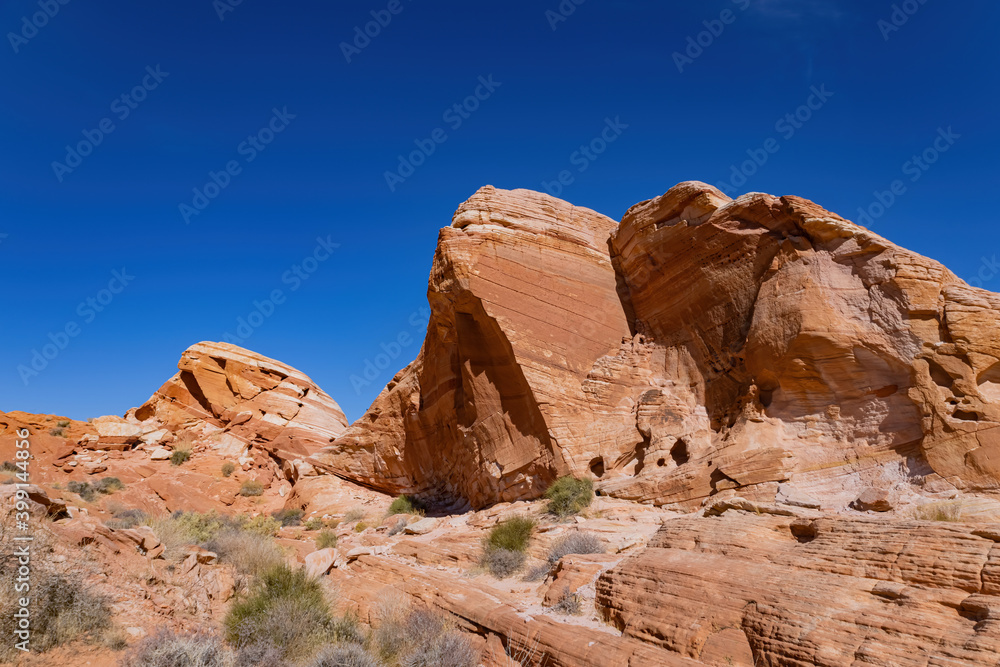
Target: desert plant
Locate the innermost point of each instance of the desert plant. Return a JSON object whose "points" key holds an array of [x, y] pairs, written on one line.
{"points": [[127, 518], [179, 456], [63, 610], [58, 432], [251, 487], [569, 495], [326, 539], [108, 485], [63, 423], [184, 528], [405, 505], [286, 607], [538, 572], [568, 603], [291, 516], [9, 466], [82, 489], [360, 527], [228, 469], [261, 525], [575, 543], [512, 534], [314, 523], [354, 514], [397, 528], [260, 654], [245, 551], [419, 638], [502, 563], [345, 655], [169, 649]]}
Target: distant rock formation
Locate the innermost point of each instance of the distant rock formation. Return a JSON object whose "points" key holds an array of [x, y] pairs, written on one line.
{"points": [[234, 399], [702, 344]]}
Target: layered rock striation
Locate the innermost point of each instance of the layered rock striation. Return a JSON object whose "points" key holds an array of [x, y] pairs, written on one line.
{"points": [[702, 344]]}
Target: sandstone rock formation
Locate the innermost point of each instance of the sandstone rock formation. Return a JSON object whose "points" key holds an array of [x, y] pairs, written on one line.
{"points": [[232, 400], [828, 592], [702, 344]]}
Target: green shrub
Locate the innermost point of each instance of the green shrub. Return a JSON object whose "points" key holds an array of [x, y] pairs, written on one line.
{"points": [[406, 505], [179, 456], [291, 516], [82, 489], [228, 469], [512, 534], [326, 539], [287, 608], [360, 527], [568, 496], [108, 485], [262, 525], [183, 528], [251, 487], [314, 523]]}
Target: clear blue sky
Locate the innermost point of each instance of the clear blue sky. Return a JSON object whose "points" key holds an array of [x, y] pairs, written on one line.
{"points": [[324, 174]]}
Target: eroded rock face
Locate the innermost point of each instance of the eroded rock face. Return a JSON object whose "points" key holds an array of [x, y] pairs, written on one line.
{"points": [[232, 399], [827, 592], [523, 304], [702, 344]]}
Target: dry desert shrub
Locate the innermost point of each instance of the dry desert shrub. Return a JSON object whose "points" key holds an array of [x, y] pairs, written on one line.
{"points": [[568, 496], [419, 638], [168, 649], [345, 655], [245, 551], [575, 543]]}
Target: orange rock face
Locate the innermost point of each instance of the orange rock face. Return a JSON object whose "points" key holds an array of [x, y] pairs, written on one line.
{"points": [[233, 399], [828, 592], [702, 344]]}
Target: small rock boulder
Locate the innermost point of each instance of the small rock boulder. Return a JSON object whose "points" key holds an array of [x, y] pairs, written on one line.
{"points": [[873, 500], [160, 454], [319, 562], [421, 527]]}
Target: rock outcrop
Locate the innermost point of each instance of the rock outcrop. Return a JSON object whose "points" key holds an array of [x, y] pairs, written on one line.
{"points": [[702, 344], [828, 592], [232, 400]]}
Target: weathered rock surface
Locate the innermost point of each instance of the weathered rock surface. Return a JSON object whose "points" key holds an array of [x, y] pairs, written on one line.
{"points": [[844, 592], [231, 400], [702, 344]]}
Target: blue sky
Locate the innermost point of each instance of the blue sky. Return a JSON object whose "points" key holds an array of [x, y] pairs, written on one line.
{"points": [[301, 139]]}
